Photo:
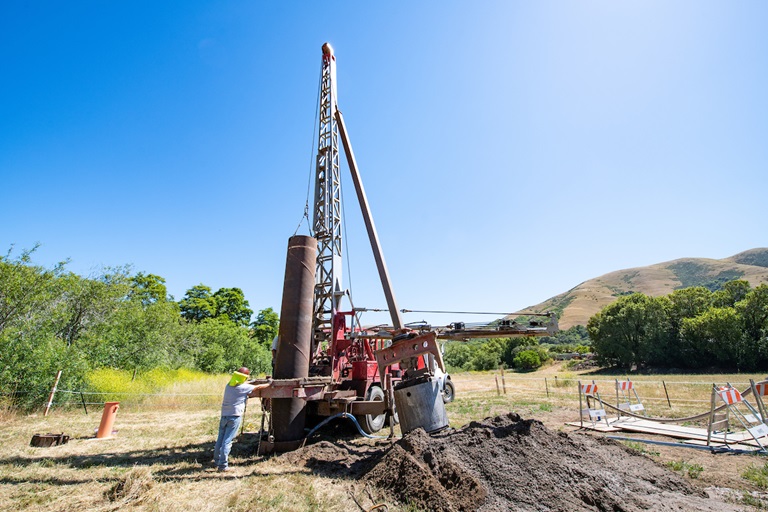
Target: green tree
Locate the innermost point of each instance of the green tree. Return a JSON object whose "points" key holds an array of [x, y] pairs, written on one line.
{"points": [[575, 335], [140, 336], [715, 337], [753, 312], [31, 353], [148, 289], [624, 332], [222, 344], [26, 291], [198, 304], [527, 360], [684, 303], [486, 355], [730, 293], [230, 302], [265, 327], [457, 355], [90, 301], [510, 347]]}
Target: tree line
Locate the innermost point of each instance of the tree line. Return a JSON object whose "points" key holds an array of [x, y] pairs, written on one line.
{"points": [[521, 353], [691, 328], [52, 319]]}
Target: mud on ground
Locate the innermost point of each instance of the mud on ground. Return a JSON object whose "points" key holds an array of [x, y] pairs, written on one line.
{"points": [[509, 463]]}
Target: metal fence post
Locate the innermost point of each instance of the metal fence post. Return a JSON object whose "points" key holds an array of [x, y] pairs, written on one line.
{"points": [[665, 392]]}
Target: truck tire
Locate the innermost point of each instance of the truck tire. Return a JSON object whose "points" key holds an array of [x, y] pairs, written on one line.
{"points": [[368, 422], [448, 392]]}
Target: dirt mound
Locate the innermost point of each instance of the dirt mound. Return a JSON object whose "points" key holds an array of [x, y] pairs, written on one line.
{"points": [[339, 458], [506, 463]]}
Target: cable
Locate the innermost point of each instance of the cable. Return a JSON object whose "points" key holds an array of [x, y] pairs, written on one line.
{"points": [[311, 155], [470, 312], [345, 238]]}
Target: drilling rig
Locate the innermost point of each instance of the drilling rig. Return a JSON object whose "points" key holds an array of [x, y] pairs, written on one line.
{"points": [[329, 365]]}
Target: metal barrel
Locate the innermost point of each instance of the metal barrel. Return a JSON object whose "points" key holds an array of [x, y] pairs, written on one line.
{"points": [[295, 334], [420, 405]]}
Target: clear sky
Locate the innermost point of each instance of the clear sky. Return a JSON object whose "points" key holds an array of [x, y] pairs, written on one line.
{"points": [[510, 149]]}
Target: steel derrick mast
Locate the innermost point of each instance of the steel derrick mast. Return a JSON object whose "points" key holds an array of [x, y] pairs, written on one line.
{"points": [[327, 223]]}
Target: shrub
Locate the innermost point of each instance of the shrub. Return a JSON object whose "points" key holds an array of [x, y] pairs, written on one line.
{"points": [[757, 474], [527, 360]]}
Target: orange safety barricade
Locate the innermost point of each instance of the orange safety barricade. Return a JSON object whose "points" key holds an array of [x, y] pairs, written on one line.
{"points": [[729, 395]]}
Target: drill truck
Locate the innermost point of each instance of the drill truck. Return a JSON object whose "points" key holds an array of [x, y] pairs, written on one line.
{"points": [[328, 364]]}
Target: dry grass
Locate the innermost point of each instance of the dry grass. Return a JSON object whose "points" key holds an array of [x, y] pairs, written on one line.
{"points": [[155, 463], [157, 460]]}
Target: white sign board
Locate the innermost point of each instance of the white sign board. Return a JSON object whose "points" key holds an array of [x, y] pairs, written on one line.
{"points": [[596, 413], [751, 418], [759, 431], [636, 407]]}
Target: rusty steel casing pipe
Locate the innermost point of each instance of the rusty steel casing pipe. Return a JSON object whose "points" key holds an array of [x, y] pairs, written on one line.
{"points": [[295, 335]]}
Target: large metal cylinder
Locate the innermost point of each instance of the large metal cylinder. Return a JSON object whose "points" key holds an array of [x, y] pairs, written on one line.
{"points": [[295, 335], [420, 405]]}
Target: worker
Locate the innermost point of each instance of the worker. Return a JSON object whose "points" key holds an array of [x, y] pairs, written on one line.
{"points": [[236, 393]]}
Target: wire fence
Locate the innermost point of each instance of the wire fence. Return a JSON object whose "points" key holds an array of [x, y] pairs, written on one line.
{"points": [[679, 395], [663, 398]]}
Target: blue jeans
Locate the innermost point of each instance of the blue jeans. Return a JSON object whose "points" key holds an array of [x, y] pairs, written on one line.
{"points": [[228, 426]]}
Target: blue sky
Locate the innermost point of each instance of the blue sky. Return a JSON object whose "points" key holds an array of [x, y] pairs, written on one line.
{"points": [[510, 150]]}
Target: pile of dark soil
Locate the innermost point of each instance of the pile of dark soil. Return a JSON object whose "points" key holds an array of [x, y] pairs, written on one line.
{"points": [[506, 463]]}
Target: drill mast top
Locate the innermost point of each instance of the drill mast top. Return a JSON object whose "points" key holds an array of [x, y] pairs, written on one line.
{"points": [[327, 221]]}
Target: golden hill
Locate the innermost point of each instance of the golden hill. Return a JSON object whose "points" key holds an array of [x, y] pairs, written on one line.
{"points": [[578, 304]]}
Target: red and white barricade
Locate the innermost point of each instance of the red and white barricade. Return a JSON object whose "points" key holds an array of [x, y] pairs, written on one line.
{"points": [[624, 390], [588, 392], [736, 407]]}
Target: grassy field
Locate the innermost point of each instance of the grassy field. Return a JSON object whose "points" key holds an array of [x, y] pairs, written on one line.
{"points": [[157, 460]]}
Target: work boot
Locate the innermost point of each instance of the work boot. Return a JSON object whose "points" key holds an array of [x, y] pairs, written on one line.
{"points": [[223, 469]]}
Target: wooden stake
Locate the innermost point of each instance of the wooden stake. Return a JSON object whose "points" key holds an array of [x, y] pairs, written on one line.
{"points": [[665, 392], [546, 386], [498, 391], [53, 392]]}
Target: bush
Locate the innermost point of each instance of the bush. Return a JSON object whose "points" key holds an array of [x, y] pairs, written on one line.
{"points": [[457, 356], [484, 360], [527, 360], [478, 355]]}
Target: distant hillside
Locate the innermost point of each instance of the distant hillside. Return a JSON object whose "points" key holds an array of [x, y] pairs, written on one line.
{"points": [[578, 304]]}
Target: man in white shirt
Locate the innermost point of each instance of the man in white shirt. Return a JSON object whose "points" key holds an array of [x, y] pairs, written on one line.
{"points": [[232, 408]]}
